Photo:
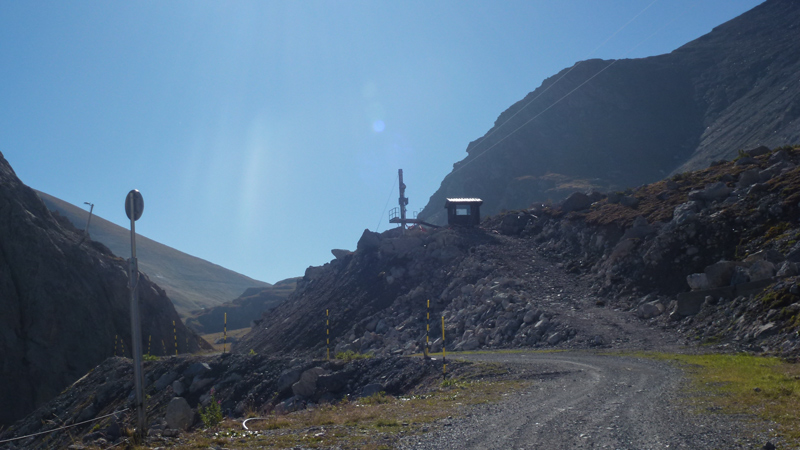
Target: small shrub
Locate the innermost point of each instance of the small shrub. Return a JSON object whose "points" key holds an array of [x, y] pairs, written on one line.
{"points": [[377, 398], [211, 415], [149, 357], [252, 352]]}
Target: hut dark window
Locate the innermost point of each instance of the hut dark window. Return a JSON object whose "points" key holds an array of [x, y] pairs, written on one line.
{"points": [[463, 211]]}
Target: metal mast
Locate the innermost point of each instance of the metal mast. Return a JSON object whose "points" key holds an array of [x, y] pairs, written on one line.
{"points": [[403, 200]]}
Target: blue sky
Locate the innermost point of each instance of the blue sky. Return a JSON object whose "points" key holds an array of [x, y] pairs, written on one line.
{"points": [[264, 134]]}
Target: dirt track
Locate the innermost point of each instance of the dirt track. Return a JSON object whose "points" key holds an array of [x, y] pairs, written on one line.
{"points": [[588, 401]]}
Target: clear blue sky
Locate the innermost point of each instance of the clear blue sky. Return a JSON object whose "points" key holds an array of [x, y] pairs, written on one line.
{"points": [[262, 134]]}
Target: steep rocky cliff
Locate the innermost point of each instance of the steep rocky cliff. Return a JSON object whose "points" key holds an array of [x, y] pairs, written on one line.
{"points": [[636, 121], [63, 302]]}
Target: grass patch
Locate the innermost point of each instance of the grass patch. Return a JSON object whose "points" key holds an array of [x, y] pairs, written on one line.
{"points": [[371, 423], [352, 356], [765, 387]]}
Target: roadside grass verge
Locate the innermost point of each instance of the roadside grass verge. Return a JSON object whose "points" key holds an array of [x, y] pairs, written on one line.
{"points": [[765, 387], [370, 423]]}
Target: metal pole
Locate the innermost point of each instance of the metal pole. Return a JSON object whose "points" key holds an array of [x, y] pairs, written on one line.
{"points": [[136, 330], [403, 201], [89, 220]]}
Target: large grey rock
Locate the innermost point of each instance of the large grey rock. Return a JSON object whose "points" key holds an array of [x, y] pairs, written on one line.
{"points": [[469, 344], [165, 380], [341, 254], [576, 202], [748, 178], [719, 274], [650, 310], [179, 415], [199, 383], [178, 388], [698, 281], [761, 270], [531, 316], [685, 212], [307, 385], [556, 337], [196, 369], [369, 241], [287, 379]]}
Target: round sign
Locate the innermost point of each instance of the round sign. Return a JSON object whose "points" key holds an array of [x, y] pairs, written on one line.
{"points": [[138, 204]]}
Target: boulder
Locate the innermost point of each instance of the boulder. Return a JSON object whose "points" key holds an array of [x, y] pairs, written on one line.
{"points": [[179, 414], [719, 274], [199, 384], [178, 388], [165, 380], [650, 310], [748, 178], [369, 241], [576, 202], [556, 337], [287, 379], [340, 253], [332, 382], [196, 369], [531, 316], [307, 385], [761, 270], [684, 212], [758, 151], [711, 192]]}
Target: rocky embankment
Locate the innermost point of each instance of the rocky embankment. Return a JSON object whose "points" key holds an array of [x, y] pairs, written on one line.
{"points": [[713, 254], [178, 387], [729, 232], [65, 301]]}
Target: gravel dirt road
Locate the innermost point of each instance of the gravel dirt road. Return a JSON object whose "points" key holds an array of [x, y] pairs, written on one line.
{"points": [[582, 400]]}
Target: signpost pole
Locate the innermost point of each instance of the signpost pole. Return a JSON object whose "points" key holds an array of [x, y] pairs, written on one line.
{"points": [[134, 212]]}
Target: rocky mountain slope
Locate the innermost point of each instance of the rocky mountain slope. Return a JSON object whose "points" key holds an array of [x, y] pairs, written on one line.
{"points": [[709, 257], [242, 311], [639, 120], [190, 282], [63, 302]]}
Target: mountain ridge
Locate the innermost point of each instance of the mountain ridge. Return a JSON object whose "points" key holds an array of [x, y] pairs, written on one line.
{"points": [[192, 283], [639, 120]]}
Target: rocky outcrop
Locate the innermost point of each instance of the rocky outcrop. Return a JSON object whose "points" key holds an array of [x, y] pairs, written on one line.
{"points": [[242, 311], [722, 233], [635, 121], [64, 301], [242, 384]]}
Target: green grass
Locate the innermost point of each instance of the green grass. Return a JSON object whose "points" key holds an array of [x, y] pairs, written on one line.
{"points": [[352, 356], [764, 387]]}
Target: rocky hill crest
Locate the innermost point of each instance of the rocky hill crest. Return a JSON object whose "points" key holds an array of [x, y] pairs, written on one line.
{"points": [[639, 120], [709, 256]]}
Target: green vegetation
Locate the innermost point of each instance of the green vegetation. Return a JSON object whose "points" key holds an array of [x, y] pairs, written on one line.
{"points": [[370, 423], [149, 357], [211, 415], [767, 388], [352, 356]]}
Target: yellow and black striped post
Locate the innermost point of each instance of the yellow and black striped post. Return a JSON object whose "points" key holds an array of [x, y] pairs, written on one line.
{"points": [[224, 332], [149, 339], [328, 333], [115, 345], [444, 353], [175, 333], [426, 350], [122, 347], [164, 347]]}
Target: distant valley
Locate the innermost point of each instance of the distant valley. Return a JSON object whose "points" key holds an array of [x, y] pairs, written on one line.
{"points": [[190, 282]]}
